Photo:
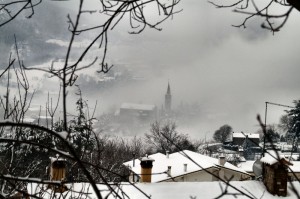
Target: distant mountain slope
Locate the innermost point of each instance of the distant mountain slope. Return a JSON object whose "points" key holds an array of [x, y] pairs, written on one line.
{"points": [[48, 22]]}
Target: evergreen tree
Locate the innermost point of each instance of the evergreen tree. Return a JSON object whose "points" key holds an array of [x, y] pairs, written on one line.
{"points": [[294, 117], [223, 133]]}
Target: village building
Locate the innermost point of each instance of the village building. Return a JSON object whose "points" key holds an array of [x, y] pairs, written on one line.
{"points": [[186, 166], [134, 113], [137, 113], [240, 138]]}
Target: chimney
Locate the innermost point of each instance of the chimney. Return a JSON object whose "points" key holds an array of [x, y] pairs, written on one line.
{"points": [[169, 171], [57, 169], [241, 151], [167, 154], [146, 169], [222, 160], [58, 173], [185, 167], [133, 162]]}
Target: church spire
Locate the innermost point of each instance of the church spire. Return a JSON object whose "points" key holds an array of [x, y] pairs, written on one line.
{"points": [[169, 89], [168, 99]]}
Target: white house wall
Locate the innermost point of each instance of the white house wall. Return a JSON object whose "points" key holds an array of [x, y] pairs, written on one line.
{"points": [[199, 176], [203, 176]]}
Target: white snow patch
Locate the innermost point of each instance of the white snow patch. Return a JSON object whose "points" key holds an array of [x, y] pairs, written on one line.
{"points": [[174, 190], [63, 134], [271, 157]]}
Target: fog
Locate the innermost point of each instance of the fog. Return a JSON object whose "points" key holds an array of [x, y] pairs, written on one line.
{"points": [[229, 72]]}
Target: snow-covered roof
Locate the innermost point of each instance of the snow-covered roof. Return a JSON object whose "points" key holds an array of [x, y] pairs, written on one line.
{"points": [[174, 190], [147, 159], [253, 135], [57, 158], [28, 120], [295, 167], [238, 135], [149, 107], [177, 161], [247, 166], [243, 135], [45, 117], [271, 157]]}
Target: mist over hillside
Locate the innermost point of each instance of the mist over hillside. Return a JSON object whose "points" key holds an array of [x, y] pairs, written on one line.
{"points": [[48, 22]]}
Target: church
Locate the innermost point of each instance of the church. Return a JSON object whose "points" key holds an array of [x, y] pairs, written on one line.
{"points": [[133, 113]]}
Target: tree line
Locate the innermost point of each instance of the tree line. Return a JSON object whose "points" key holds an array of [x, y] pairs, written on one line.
{"points": [[288, 127]]}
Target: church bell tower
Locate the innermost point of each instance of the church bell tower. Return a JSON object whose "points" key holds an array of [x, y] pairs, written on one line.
{"points": [[168, 100]]}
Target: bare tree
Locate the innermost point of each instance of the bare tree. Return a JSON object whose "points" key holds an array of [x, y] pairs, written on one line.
{"points": [[62, 136], [163, 137], [274, 18]]}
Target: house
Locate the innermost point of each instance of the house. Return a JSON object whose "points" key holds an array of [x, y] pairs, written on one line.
{"points": [[239, 138], [131, 113], [185, 166], [35, 188], [249, 143]]}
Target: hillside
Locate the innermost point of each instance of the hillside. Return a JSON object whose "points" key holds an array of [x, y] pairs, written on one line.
{"points": [[48, 22]]}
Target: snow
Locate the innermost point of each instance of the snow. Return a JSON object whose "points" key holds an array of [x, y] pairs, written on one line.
{"points": [[167, 190], [63, 134], [177, 161], [44, 117], [147, 159], [149, 107], [243, 135], [295, 167], [28, 120], [271, 157], [238, 135], [57, 158], [247, 166]]}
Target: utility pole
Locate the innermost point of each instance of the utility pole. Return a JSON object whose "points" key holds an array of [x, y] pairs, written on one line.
{"points": [[266, 111]]}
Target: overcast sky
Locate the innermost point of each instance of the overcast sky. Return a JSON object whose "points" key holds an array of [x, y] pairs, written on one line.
{"points": [[230, 72]]}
